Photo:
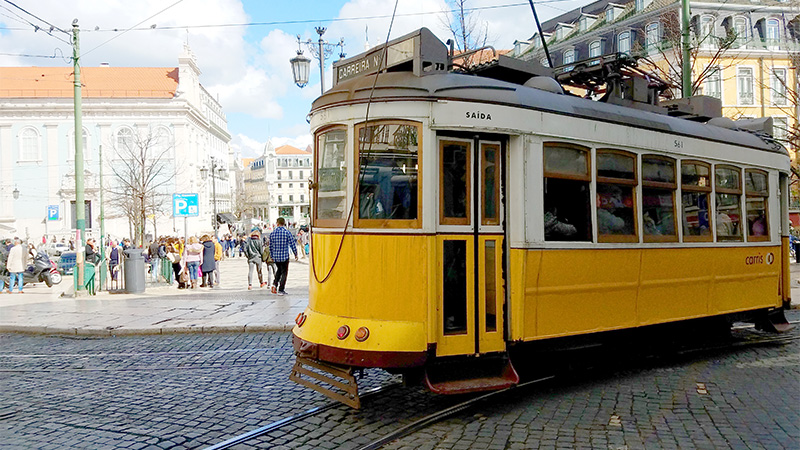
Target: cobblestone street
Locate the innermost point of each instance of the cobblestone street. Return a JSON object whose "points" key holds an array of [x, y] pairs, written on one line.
{"points": [[194, 390]]}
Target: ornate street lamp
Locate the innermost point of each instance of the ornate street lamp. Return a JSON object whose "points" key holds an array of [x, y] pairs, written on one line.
{"points": [[301, 65]]}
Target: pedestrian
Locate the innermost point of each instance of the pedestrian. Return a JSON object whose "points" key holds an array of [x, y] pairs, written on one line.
{"points": [[280, 241], [91, 251], [174, 256], [114, 259], [218, 254], [3, 271], [253, 251], [192, 257], [16, 265], [301, 242], [207, 264], [155, 261]]}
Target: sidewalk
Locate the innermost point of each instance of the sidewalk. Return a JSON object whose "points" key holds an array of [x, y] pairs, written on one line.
{"points": [[161, 309]]}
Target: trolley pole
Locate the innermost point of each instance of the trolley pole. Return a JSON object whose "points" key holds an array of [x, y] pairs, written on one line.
{"points": [[686, 49], [80, 208]]}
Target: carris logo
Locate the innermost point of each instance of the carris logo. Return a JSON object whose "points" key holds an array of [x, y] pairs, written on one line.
{"points": [[759, 259]]}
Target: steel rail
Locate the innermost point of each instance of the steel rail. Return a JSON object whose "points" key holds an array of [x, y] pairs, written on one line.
{"points": [[443, 414], [292, 419]]}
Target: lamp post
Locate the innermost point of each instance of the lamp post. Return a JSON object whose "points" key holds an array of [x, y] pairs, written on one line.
{"points": [[301, 65], [215, 165]]}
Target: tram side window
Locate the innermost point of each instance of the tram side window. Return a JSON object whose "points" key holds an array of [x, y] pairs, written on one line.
{"points": [[728, 184], [757, 194], [567, 214], [658, 199], [388, 179], [616, 181], [331, 175], [696, 188]]}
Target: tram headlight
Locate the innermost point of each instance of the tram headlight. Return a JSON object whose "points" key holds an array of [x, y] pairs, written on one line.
{"points": [[343, 332], [362, 334], [300, 319]]}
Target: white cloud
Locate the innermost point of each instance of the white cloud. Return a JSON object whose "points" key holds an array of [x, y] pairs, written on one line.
{"points": [[246, 146]]}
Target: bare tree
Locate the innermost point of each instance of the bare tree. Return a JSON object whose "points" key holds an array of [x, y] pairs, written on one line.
{"points": [[665, 59], [142, 170], [242, 203], [467, 30]]}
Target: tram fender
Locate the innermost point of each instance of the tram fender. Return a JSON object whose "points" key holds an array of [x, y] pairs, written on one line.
{"points": [[773, 321]]}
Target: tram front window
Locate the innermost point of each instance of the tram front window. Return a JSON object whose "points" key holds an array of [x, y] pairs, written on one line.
{"points": [[331, 175], [388, 178], [567, 214]]}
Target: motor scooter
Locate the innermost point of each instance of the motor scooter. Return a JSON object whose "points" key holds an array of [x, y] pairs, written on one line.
{"points": [[42, 269]]}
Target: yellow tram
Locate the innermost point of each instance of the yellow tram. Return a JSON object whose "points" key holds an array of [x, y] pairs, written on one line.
{"points": [[457, 215]]}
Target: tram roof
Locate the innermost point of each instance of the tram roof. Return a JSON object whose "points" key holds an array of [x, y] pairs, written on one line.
{"points": [[405, 86]]}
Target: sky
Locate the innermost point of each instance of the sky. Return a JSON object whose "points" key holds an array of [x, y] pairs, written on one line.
{"points": [[243, 47]]}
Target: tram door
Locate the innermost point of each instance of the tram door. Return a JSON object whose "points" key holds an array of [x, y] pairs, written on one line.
{"points": [[470, 244]]}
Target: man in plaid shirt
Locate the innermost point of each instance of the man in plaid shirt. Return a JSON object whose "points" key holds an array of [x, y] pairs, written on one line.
{"points": [[280, 241]]}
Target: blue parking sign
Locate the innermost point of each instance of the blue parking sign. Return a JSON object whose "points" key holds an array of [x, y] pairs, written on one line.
{"points": [[52, 212], [185, 205]]}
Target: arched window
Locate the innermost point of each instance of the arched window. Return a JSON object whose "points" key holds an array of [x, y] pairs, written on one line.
{"points": [[29, 145], [624, 42], [740, 28], [125, 141], [86, 149], [569, 56], [773, 34], [652, 37], [595, 49]]}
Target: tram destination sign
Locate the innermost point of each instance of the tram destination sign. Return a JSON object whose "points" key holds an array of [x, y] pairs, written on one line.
{"points": [[421, 49]]}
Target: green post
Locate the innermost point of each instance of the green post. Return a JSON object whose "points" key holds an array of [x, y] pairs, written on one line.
{"points": [[80, 208], [102, 223], [686, 47]]}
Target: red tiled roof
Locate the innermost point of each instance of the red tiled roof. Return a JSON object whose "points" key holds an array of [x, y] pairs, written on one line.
{"points": [[97, 82], [289, 150]]}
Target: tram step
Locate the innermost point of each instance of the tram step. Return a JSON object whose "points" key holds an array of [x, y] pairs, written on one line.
{"points": [[774, 322], [340, 381], [473, 375]]}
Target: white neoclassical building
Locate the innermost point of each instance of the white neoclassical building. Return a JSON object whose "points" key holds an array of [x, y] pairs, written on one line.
{"points": [[122, 106], [288, 171]]}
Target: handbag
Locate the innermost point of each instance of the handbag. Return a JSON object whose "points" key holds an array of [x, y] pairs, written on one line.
{"points": [[265, 255], [171, 257], [184, 277]]}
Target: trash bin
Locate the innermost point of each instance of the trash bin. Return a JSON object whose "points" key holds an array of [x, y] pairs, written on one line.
{"points": [[134, 271]]}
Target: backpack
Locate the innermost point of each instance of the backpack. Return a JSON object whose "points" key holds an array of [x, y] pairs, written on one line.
{"points": [[265, 255]]}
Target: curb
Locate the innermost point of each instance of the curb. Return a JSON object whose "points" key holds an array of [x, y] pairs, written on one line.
{"points": [[113, 332]]}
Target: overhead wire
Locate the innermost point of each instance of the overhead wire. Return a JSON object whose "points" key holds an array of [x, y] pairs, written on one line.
{"points": [[46, 30]]}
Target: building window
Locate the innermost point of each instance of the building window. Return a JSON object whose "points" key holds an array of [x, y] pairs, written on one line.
{"points": [[544, 62], [757, 194], [569, 56], [713, 83], [773, 34], [583, 24], [780, 129], [302, 198], [595, 49], [291, 198], [727, 181], [740, 28], [744, 83], [279, 185], [696, 188], [616, 182], [610, 15], [567, 209], [29, 145], [279, 174], [85, 140], [301, 186], [331, 170], [778, 86], [659, 184], [388, 174], [290, 185], [624, 42], [125, 142], [280, 199], [707, 32], [652, 37], [639, 5]]}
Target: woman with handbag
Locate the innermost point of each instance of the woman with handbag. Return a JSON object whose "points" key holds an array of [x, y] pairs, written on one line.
{"points": [[175, 258], [193, 257], [254, 251]]}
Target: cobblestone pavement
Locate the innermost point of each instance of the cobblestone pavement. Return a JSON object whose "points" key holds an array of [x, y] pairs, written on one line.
{"points": [[744, 398], [192, 391]]}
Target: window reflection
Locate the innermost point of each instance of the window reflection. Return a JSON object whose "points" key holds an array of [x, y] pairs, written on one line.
{"points": [[388, 171], [331, 175]]}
